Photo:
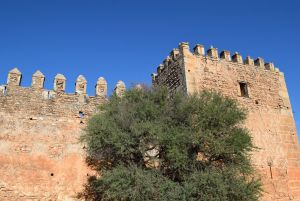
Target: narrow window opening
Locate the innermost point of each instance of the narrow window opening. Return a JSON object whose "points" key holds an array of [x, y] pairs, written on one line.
{"points": [[5, 90], [244, 89], [81, 116]]}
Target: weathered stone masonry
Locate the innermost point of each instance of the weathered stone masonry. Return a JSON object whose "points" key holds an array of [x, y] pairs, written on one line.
{"points": [[258, 87], [40, 157]]}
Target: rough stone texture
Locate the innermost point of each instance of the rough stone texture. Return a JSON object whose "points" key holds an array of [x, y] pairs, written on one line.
{"points": [[270, 117], [41, 158], [59, 83], [40, 155], [101, 87], [80, 85], [170, 73], [14, 77], [120, 88], [38, 80]]}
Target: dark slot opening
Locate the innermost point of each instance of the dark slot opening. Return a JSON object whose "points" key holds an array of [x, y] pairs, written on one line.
{"points": [[5, 90], [81, 115], [244, 89]]}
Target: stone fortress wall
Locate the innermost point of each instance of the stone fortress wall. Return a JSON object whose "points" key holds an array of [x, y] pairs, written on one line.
{"points": [[260, 88], [40, 156]]}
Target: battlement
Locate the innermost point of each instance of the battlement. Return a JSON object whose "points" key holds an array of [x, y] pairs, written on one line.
{"points": [[36, 101], [14, 79], [185, 70], [212, 54]]}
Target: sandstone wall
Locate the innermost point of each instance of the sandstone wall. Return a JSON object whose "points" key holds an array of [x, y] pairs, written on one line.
{"points": [[40, 155], [41, 158], [270, 117], [171, 73]]}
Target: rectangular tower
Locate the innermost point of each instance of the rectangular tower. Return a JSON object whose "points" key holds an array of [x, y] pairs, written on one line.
{"points": [[260, 88]]}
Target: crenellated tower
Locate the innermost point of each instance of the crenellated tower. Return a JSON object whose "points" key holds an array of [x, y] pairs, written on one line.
{"points": [[261, 89]]}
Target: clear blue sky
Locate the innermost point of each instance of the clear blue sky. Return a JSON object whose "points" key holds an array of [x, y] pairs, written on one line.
{"points": [[126, 40]]}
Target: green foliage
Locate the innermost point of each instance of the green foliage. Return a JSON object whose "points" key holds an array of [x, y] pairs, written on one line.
{"points": [[136, 184], [148, 146]]}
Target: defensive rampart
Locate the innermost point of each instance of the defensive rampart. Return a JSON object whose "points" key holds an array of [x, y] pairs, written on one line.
{"points": [[40, 155]]}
